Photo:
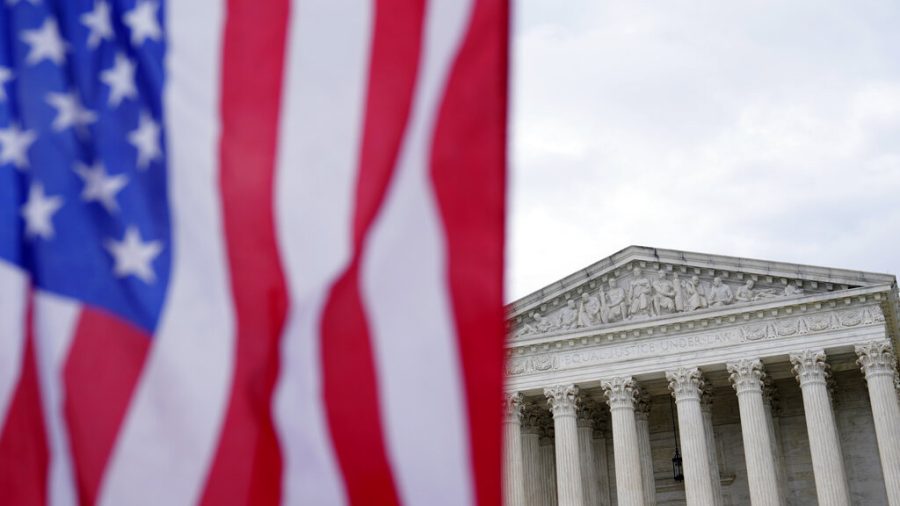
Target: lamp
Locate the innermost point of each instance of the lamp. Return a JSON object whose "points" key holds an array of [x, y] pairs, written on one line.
{"points": [[677, 469]]}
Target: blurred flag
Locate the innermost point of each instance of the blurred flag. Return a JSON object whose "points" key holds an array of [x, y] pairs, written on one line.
{"points": [[251, 251]]}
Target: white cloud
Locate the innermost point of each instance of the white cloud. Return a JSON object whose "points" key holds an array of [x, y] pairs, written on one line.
{"points": [[763, 130]]}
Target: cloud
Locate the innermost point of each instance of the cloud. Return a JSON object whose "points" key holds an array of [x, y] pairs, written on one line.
{"points": [[761, 130]]}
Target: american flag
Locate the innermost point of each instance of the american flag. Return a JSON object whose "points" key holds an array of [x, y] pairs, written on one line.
{"points": [[251, 251]]}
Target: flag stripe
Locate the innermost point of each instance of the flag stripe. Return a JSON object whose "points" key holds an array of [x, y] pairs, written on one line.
{"points": [[170, 434], [473, 114], [247, 467], [351, 383], [13, 298], [24, 452], [98, 391], [54, 329], [407, 301], [322, 124]]}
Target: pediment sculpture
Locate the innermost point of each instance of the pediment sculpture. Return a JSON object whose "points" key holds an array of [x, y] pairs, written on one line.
{"points": [[642, 296]]}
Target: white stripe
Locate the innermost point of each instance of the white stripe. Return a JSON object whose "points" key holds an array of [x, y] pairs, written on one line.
{"points": [[171, 431], [325, 86], [55, 320], [13, 298], [406, 296]]}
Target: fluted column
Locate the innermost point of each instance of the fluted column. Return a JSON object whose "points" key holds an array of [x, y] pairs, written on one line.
{"points": [[620, 393], [563, 401], [879, 364], [513, 473], [706, 400], [531, 455], [770, 403], [686, 385], [811, 370], [590, 484], [642, 422], [746, 376], [601, 463], [548, 463]]}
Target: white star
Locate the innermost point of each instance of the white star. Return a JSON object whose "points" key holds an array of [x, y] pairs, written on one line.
{"points": [[97, 21], [100, 187], [69, 111], [134, 256], [120, 79], [146, 140], [5, 76], [38, 212], [46, 44], [142, 22], [14, 144]]}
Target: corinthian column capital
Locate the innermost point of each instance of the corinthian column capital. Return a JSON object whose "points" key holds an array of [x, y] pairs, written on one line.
{"points": [[620, 392], [746, 375], [563, 399], [513, 406], [876, 359], [642, 404], [686, 383], [810, 367]]}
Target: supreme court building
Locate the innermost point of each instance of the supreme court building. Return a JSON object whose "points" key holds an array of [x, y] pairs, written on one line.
{"points": [[776, 383]]}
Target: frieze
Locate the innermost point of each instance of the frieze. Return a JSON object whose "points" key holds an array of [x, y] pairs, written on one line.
{"points": [[749, 332], [640, 296]]}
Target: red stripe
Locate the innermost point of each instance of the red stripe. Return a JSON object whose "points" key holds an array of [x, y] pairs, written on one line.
{"points": [[247, 465], [101, 371], [24, 452], [468, 163], [350, 382]]}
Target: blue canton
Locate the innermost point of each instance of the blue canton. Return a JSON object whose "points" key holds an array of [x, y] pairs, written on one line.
{"points": [[83, 187]]}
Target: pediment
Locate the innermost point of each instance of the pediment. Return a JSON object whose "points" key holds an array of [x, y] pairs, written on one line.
{"points": [[641, 284]]}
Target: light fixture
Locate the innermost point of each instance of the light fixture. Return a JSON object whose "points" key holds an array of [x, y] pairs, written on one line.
{"points": [[677, 469]]}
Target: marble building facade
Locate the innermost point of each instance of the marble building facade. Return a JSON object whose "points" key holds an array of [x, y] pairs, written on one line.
{"points": [[776, 382]]}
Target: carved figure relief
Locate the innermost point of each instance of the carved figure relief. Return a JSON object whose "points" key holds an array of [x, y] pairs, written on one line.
{"points": [[639, 296], [720, 294], [589, 311], [613, 303]]}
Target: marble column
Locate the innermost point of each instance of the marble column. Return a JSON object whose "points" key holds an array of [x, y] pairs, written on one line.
{"points": [[513, 473], [747, 378], [531, 455], [642, 422], [590, 483], [620, 393], [811, 371], [879, 364], [706, 400], [548, 467], [770, 403], [686, 385], [601, 463], [563, 401]]}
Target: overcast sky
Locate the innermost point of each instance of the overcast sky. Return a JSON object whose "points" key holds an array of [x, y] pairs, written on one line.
{"points": [[763, 129]]}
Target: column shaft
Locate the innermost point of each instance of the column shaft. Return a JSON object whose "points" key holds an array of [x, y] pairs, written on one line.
{"points": [[686, 385], [548, 471], [709, 432], [824, 444], [589, 480], [770, 405], [513, 476], [531, 466], [626, 449], [602, 466], [746, 375], [563, 400], [879, 365], [642, 423]]}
